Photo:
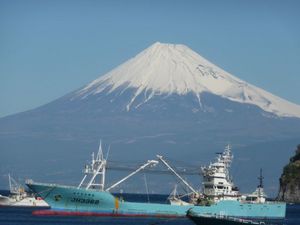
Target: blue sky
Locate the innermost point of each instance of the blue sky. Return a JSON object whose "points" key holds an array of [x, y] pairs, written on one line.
{"points": [[50, 48]]}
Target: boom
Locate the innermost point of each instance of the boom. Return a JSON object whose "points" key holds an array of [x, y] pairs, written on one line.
{"points": [[149, 162], [180, 178]]}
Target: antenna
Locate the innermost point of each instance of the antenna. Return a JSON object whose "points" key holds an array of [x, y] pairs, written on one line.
{"points": [[9, 181], [260, 178], [100, 152], [93, 157], [107, 153]]}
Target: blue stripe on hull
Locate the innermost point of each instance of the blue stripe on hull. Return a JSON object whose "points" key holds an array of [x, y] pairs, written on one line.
{"points": [[73, 199]]}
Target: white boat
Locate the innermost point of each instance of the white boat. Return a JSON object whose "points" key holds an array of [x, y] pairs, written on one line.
{"points": [[258, 196], [19, 197], [175, 199]]}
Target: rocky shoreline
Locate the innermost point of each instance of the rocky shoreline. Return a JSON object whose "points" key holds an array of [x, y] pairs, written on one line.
{"points": [[290, 180]]}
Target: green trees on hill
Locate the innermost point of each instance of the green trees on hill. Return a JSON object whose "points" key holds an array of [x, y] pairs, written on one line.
{"points": [[297, 156], [290, 179], [292, 170]]}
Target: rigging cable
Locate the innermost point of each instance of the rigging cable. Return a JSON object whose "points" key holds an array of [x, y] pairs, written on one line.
{"points": [[147, 190]]}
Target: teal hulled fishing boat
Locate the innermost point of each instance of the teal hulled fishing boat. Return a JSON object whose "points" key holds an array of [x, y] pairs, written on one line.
{"points": [[219, 198]]}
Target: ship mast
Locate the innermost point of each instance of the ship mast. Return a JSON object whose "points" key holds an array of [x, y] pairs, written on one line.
{"points": [[260, 186], [14, 186], [10, 185], [96, 168], [260, 178]]}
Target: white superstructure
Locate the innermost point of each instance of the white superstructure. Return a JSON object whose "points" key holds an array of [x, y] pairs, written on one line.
{"points": [[216, 180], [258, 195]]}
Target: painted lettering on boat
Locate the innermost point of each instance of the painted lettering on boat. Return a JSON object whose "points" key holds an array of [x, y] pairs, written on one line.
{"points": [[85, 201]]}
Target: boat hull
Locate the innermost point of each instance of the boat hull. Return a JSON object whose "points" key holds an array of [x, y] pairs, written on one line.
{"points": [[24, 202], [4, 200], [217, 221], [81, 201]]}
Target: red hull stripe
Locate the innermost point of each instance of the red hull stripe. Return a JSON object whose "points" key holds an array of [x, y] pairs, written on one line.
{"points": [[71, 213]]}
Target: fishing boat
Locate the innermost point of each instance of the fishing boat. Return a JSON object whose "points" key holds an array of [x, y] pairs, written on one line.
{"points": [[92, 198], [19, 197]]}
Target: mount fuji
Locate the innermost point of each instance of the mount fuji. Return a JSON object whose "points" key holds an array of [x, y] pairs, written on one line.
{"points": [[166, 69], [166, 100]]}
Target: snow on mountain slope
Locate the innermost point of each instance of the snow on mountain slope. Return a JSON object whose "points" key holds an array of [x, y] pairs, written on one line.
{"points": [[176, 69]]}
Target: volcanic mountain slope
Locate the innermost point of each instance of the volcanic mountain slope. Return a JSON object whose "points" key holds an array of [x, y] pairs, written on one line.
{"points": [[167, 100], [167, 89], [176, 69]]}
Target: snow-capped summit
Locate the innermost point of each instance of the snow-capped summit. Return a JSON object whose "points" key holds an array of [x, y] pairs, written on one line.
{"points": [[176, 69]]}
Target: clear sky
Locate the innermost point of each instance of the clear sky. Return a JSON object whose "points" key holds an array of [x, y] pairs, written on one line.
{"points": [[50, 48]]}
